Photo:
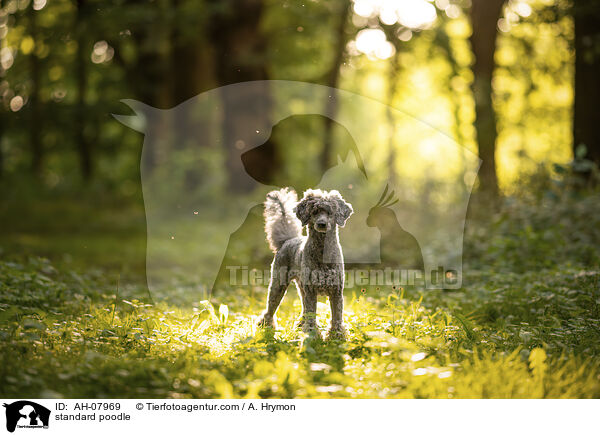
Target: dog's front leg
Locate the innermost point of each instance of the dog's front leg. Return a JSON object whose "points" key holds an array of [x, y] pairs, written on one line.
{"points": [[309, 310], [337, 331]]}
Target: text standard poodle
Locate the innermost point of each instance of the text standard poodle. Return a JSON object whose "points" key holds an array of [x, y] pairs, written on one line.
{"points": [[314, 262]]}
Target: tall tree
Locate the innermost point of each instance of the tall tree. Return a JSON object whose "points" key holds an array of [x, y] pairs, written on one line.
{"points": [[191, 62], [1, 150], [586, 116], [36, 118], [2, 109], [148, 74], [82, 142], [332, 80], [484, 18], [239, 55], [392, 88]]}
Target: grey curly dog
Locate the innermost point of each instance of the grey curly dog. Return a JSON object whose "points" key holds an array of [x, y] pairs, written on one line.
{"points": [[314, 262]]}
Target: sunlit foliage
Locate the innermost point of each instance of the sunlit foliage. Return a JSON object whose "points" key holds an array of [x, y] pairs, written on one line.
{"points": [[421, 52], [524, 326], [65, 340]]}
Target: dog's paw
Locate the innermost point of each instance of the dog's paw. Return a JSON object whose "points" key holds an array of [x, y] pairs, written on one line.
{"points": [[265, 321], [337, 333], [311, 329]]}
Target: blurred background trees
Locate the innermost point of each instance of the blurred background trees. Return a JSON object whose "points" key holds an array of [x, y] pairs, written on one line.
{"points": [[514, 80]]}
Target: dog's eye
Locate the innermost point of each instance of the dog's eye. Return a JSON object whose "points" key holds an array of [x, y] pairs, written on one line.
{"points": [[314, 212]]}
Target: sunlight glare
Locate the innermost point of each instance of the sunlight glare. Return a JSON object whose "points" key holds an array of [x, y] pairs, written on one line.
{"points": [[405, 35], [373, 43], [523, 9], [414, 14], [418, 356], [364, 8], [428, 148], [6, 58], [38, 5], [16, 103], [388, 15], [452, 11]]}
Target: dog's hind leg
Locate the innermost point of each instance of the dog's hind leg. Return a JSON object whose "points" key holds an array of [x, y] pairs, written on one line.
{"points": [[277, 287]]}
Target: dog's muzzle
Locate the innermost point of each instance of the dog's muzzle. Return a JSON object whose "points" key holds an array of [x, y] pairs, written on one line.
{"points": [[321, 226]]}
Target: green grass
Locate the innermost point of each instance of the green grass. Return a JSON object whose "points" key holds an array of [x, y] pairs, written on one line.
{"points": [[80, 231], [67, 335], [526, 324]]}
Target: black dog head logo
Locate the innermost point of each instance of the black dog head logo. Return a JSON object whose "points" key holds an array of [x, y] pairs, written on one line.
{"points": [[26, 413]]}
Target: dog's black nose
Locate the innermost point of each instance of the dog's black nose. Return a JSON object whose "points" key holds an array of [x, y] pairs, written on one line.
{"points": [[321, 225]]}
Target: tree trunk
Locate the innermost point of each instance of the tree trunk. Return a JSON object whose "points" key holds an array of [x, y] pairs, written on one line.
{"points": [[333, 82], [586, 116], [83, 144], [391, 119], [35, 127], [191, 74], [2, 115], [150, 81], [484, 19], [1, 150], [240, 50], [191, 66]]}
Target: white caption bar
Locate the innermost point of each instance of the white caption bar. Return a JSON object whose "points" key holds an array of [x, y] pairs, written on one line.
{"points": [[149, 416]]}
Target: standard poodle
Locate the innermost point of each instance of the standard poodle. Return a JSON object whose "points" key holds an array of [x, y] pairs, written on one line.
{"points": [[314, 262]]}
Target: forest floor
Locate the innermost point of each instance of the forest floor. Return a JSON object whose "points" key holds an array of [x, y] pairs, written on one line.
{"points": [[526, 324]]}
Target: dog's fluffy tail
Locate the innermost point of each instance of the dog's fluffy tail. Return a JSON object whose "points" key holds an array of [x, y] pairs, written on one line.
{"points": [[281, 223]]}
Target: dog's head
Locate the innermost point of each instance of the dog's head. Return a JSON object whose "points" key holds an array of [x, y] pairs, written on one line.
{"points": [[323, 210]]}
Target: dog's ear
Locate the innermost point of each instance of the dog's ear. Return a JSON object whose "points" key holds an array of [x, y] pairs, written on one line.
{"points": [[303, 209], [343, 209]]}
